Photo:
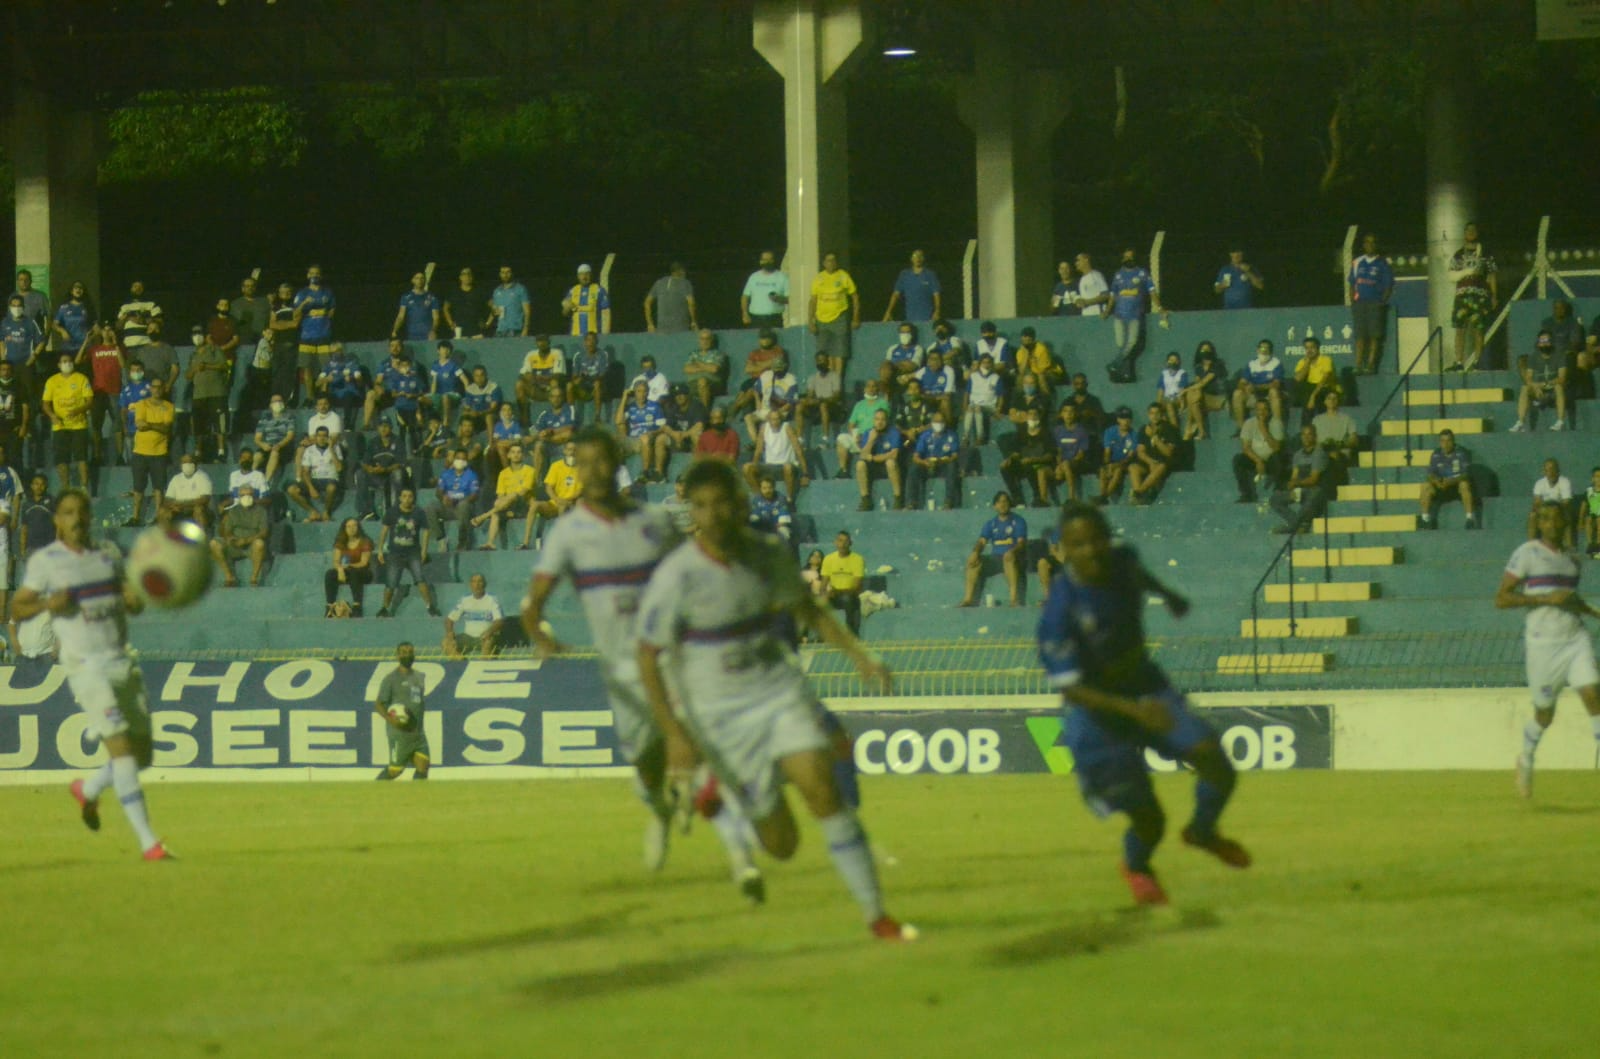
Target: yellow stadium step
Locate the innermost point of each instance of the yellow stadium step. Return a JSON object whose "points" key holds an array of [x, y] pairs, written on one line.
{"points": [[1349, 556], [1324, 592], [1303, 662], [1398, 428], [1395, 458], [1305, 628], [1386, 491], [1474, 395], [1366, 524]]}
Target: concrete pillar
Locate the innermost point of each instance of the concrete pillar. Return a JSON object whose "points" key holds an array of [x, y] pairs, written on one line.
{"points": [[1452, 196], [55, 153], [1013, 112], [812, 44]]}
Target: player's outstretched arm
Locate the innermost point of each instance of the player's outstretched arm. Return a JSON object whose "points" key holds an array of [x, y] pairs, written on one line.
{"points": [[868, 664], [1511, 596], [1146, 712], [681, 754], [1177, 603]]}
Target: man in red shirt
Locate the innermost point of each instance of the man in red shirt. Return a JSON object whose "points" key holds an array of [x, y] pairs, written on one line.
{"points": [[765, 355], [717, 442], [101, 359]]}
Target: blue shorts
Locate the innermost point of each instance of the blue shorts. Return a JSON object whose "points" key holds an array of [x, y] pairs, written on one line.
{"points": [[1108, 752]]}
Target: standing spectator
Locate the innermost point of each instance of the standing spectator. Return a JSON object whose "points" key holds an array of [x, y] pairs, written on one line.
{"points": [[11, 495], [352, 567], [101, 356], [993, 344], [1134, 297], [152, 432], [544, 371], [513, 494], [189, 494], [832, 293], [552, 429], [1371, 282], [937, 381], [344, 383], [1339, 437], [1207, 392], [588, 377], [1261, 379], [919, 286], [482, 622], [879, 456], [446, 383], [283, 336], [1591, 515], [588, 304], [380, 471], [937, 454], [778, 451], [160, 361], [1314, 377], [901, 361], [320, 470], [1565, 329], [1305, 494], [1551, 487], [669, 307], [241, 534], [770, 512], [1064, 294], [1031, 460], [683, 423], [1153, 456], [481, 401], [707, 367], [860, 422], [455, 500], [251, 312], [22, 339], [766, 294], [314, 306], [1473, 271], [822, 396], [247, 475], [35, 303], [845, 571], [37, 521], [513, 312], [1544, 383], [223, 333], [13, 412], [657, 385], [1075, 450], [639, 421], [1006, 538], [1034, 356], [139, 319], [1449, 473], [1119, 444], [75, 318], [985, 399], [209, 379], [718, 441], [417, 319], [66, 399], [1261, 458], [465, 309], [1173, 388], [402, 548], [275, 437], [1093, 291], [136, 389], [1237, 282]]}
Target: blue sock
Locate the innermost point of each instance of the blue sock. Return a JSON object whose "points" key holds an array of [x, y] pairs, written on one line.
{"points": [[844, 777], [1209, 800], [1135, 854]]}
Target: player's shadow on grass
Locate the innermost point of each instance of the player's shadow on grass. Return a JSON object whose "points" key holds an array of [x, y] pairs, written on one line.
{"points": [[27, 867], [1567, 810], [1088, 937], [662, 973], [545, 934]]}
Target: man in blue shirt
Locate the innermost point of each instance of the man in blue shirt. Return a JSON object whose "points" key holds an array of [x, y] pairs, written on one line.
{"points": [[937, 454], [314, 306], [344, 383], [1259, 380], [74, 317], [770, 511], [880, 448], [513, 313], [21, 336], [481, 400], [1371, 285], [552, 429], [587, 374], [1119, 444], [919, 286], [1006, 537], [641, 421], [1074, 450], [418, 317], [1237, 282], [446, 380], [1117, 702], [1449, 474], [1064, 294], [1133, 295], [455, 500]]}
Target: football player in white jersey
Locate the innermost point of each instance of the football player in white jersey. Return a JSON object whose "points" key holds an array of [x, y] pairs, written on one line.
{"points": [[1560, 653], [714, 617], [81, 585], [608, 546]]}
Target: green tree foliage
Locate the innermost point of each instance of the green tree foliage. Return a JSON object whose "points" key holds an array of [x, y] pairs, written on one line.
{"points": [[181, 135]]}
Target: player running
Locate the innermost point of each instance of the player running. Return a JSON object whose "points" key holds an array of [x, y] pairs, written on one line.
{"points": [[81, 585], [717, 607], [1091, 641], [609, 546], [1544, 578]]}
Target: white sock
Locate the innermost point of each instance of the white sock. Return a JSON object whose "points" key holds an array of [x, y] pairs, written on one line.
{"points": [[734, 830], [655, 800], [125, 777], [97, 782], [852, 858], [1531, 734], [1594, 723]]}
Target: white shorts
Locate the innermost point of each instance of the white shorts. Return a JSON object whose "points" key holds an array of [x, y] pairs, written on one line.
{"points": [[631, 716], [850, 443], [112, 694], [5, 569], [1557, 664], [745, 746]]}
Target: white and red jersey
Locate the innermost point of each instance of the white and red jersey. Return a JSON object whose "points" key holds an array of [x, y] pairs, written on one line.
{"points": [[96, 631], [1543, 570]]}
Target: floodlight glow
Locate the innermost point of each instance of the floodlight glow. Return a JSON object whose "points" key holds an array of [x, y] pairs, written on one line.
{"points": [[899, 52]]}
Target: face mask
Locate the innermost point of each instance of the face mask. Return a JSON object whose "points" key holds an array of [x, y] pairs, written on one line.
{"points": [[905, 340], [66, 367], [188, 470], [277, 407], [136, 376], [1029, 390], [247, 501], [937, 428], [16, 312], [1033, 426], [460, 465]]}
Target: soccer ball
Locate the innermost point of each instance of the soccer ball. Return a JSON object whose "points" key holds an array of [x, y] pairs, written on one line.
{"points": [[170, 566], [400, 714]]}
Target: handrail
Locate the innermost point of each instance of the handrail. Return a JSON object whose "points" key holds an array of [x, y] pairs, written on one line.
{"points": [[1404, 383]]}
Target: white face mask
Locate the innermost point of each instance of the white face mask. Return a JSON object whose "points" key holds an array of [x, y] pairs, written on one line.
{"points": [[16, 311], [1033, 426], [247, 501], [277, 407], [188, 470], [905, 339], [937, 428], [460, 465], [136, 376]]}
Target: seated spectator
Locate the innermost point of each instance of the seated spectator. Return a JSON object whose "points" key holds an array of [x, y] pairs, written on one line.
{"points": [[325, 417], [1032, 460], [684, 421], [937, 454], [1207, 393], [1261, 458], [513, 495], [241, 534], [403, 548], [718, 441], [352, 567], [1091, 413], [951, 350], [913, 413], [1261, 379], [543, 375], [380, 397], [760, 360], [344, 382], [770, 512], [1035, 357], [1173, 388], [639, 421], [1305, 494], [446, 382], [1075, 450], [1450, 474], [776, 390], [1006, 538], [845, 571], [275, 437], [1338, 436], [1591, 515], [900, 361], [587, 377], [552, 429], [1580, 370], [434, 444], [482, 622], [247, 475], [320, 472], [823, 397], [986, 391], [1565, 329], [677, 505], [455, 500], [36, 518], [505, 433], [858, 425], [1551, 487], [1154, 456], [656, 384], [1314, 376], [939, 384], [879, 456], [481, 401], [1028, 399], [993, 344], [561, 486], [466, 437], [1119, 445], [1544, 383], [707, 368], [817, 587], [778, 452], [381, 471], [405, 387], [152, 434]]}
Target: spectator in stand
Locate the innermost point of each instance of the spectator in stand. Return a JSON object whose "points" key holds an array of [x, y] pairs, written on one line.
{"points": [[513, 496], [1450, 474], [552, 429], [948, 345], [766, 294], [455, 500], [1338, 436], [275, 437], [505, 433], [823, 397], [251, 312], [901, 361], [639, 422], [1314, 377], [465, 309], [482, 623], [1237, 282], [1032, 460], [561, 486], [1544, 383], [587, 304], [816, 586], [588, 376], [1173, 387], [1580, 370], [1006, 538], [879, 456], [402, 549], [139, 320], [1261, 379], [707, 368], [326, 417], [352, 567], [37, 521], [1075, 450], [845, 571], [718, 441], [919, 286], [210, 377], [283, 336], [510, 307], [14, 410], [402, 382], [833, 292], [1473, 271], [1261, 459], [1207, 391], [418, 317], [1371, 281], [1119, 444], [344, 382], [684, 422], [481, 401], [136, 389], [1034, 356], [777, 390], [1551, 487], [1566, 330], [669, 307], [242, 534], [657, 385], [761, 359], [1094, 294], [986, 391], [1153, 457], [1028, 401], [1064, 293], [320, 471], [446, 383], [1091, 413], [778, 452], [66, 399], [22, 339], [35, 305], [677, 505], [859, 424], [152, 431], [938, 383], [937, 454], [223, 333], [1591, 515], [912, 415], [993, 345], [544, 371], [247, 475], [1305, 495], [189, 494], [1134, 296], [75, 318], [381, 470], [770, 512], [101, 357], [11, 495], [314, 306]]}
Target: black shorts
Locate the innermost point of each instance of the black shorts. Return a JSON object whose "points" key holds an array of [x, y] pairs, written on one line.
{"points": [[69, 446], [149, 472], [1369, 318]]}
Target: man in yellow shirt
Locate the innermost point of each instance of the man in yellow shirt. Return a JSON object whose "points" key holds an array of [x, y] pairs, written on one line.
{"points": [[513, 493], [845, 571], [560, 483], [152, 436], [588, 305], [66, 399], [1314, 377], [832, 292]]}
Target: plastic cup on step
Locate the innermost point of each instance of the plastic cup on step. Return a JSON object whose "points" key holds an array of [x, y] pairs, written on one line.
{"points": [[989, 600]]}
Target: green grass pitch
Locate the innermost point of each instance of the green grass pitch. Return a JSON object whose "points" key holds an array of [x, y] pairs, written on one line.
{"points": [[1387, 914]]}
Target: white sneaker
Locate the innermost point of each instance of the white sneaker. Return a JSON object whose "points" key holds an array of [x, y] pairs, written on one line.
{"points": [[1560, 424], [1524, 776], [1519, 427], [656, 834]]}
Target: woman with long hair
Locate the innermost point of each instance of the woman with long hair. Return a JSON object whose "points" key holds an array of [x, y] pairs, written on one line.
{"points": [[352, 566]]}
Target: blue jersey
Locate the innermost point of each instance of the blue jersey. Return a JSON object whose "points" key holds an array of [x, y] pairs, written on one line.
{"points": [[591, 367], [899, 353], [918, 289], [316, 305], [1071, 442], [73, 317], [1120, 447], [889, 441], [10, 492], [405, 386], [1094, 634], [931, 446], [1455, 465], [132, 393], [1003, 534], [1371, 279], [556, 419], [504, 431], [1129, 288], [643, 418], [346, 377], [1237, 291], [457, 485], [508, 300], [1261, 374], [773, 515], [936, 383], [447, 378], [419, 310], [483, 402], [20, 337]]}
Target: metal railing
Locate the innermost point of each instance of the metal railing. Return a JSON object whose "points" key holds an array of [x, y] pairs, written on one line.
{"points": [[1403, 385]]}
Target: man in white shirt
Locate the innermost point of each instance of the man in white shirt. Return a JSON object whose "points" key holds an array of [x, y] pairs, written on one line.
{"points": [[244, 475], [481, 619], [993, 345], [776, 390], [1553, 487], [188, 494], [656, 385], [326, 417], [319, 475], [1094, 294]]}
